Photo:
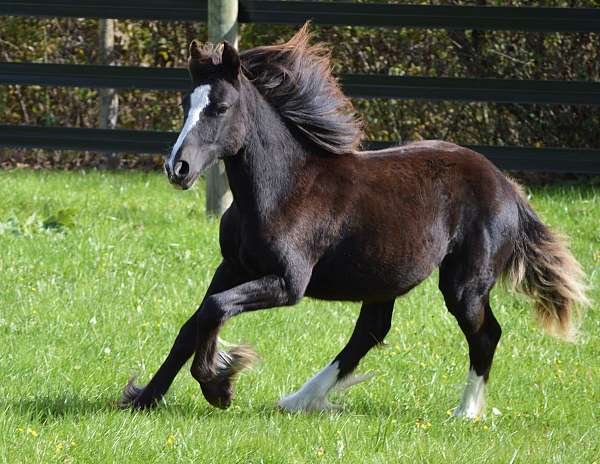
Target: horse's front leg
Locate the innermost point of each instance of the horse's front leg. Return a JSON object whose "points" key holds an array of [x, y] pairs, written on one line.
{"points": [[182, 350], [214, 369]]}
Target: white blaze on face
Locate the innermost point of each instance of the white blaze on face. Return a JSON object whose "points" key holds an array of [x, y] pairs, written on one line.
{"points": [[198, 101]]}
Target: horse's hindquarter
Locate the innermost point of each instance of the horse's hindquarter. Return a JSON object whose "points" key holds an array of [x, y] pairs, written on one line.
{"points": [[404, 212]]}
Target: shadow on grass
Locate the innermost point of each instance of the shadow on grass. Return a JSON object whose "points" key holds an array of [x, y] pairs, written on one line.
{"points": [[261, 410], [46, 408]]}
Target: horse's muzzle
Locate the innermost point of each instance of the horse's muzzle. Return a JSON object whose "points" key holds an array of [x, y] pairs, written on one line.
{"points": [[178, 174]]}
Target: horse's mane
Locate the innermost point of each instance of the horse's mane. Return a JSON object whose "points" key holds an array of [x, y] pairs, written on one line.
{"points": [[295, 77]]}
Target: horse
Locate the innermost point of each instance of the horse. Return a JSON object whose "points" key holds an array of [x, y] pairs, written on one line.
{"points": [[313, 215]]}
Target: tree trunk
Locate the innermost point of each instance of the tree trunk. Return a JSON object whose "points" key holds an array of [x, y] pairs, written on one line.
{"points": [[108, 98]]}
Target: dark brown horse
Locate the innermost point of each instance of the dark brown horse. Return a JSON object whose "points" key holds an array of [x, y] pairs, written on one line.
{"points": [[314, 216]]}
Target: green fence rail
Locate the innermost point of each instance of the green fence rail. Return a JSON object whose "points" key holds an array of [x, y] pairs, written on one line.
{"points": [[138, 141], [581, 20], [536, 19], [355, 85]]}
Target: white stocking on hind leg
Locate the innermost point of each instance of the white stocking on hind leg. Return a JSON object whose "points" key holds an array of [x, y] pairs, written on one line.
{"points": [[466, 281], [312, 396], [482, 344], [371, 327], [472, 404]]}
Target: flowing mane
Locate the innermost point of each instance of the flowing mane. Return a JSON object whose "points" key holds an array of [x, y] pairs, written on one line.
{"points": [[295, 77]]}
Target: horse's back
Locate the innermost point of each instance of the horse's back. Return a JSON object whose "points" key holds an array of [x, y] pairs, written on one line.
{"points": [[459, 183], [442, 173]]}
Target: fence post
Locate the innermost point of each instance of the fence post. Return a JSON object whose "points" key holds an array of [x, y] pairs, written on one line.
{"points": [[108, 98], [222, 25]]}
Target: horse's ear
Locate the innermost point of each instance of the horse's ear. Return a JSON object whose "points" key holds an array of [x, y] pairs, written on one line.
{"points": [[195, 50], [231, 60]]}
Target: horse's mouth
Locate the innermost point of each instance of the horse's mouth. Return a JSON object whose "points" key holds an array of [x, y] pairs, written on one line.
{"points": [[180, 185], [184, 184]]}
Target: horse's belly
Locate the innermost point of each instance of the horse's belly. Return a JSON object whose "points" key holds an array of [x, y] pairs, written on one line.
{"points": [[357, 282]]}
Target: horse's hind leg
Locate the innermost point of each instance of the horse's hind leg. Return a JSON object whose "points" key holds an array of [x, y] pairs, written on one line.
{"points": [[466, 278], [372, 326], [482, 337]]}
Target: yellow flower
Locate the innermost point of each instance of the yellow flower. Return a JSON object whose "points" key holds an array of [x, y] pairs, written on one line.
{"points": [[32, 432], [171, 440], [423, 424], [58, 448], [320, 451]]}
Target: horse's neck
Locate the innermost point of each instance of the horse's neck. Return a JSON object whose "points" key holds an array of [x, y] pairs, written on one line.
{"points": [[262, 175]]}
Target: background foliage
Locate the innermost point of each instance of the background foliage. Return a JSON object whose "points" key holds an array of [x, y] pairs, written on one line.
{"points": [[414, 52]]}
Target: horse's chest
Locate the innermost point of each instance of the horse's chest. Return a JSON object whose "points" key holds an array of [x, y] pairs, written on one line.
{"points": [[247, 250]]}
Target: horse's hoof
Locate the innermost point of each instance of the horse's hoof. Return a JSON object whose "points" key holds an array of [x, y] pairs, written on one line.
{"points": [[218, 392], [307, 399], [133, 397], [296, 403], [469, 412]]}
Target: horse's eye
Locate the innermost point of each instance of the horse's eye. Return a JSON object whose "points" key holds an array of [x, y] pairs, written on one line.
{"points": [[222, 108]]}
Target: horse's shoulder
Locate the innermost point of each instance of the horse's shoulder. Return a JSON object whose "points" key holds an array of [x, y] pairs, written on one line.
{"points": [[229, 237]]}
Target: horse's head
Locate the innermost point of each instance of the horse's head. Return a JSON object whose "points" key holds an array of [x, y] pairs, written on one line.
{"points": [[212, 127]]}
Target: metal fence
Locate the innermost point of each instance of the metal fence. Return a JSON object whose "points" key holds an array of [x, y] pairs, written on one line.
{"points": [[355, 85]]}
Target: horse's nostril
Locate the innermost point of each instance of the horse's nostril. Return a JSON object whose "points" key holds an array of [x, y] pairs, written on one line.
{"points": [[182, 168]]}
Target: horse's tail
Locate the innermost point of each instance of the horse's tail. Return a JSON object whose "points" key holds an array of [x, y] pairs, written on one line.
{"points": [[542, 267]]}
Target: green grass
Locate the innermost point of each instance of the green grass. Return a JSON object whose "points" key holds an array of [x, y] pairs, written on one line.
{"points": [[98, 271]]}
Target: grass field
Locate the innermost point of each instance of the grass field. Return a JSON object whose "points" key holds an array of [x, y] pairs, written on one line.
{"points": [[98, 271]]}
